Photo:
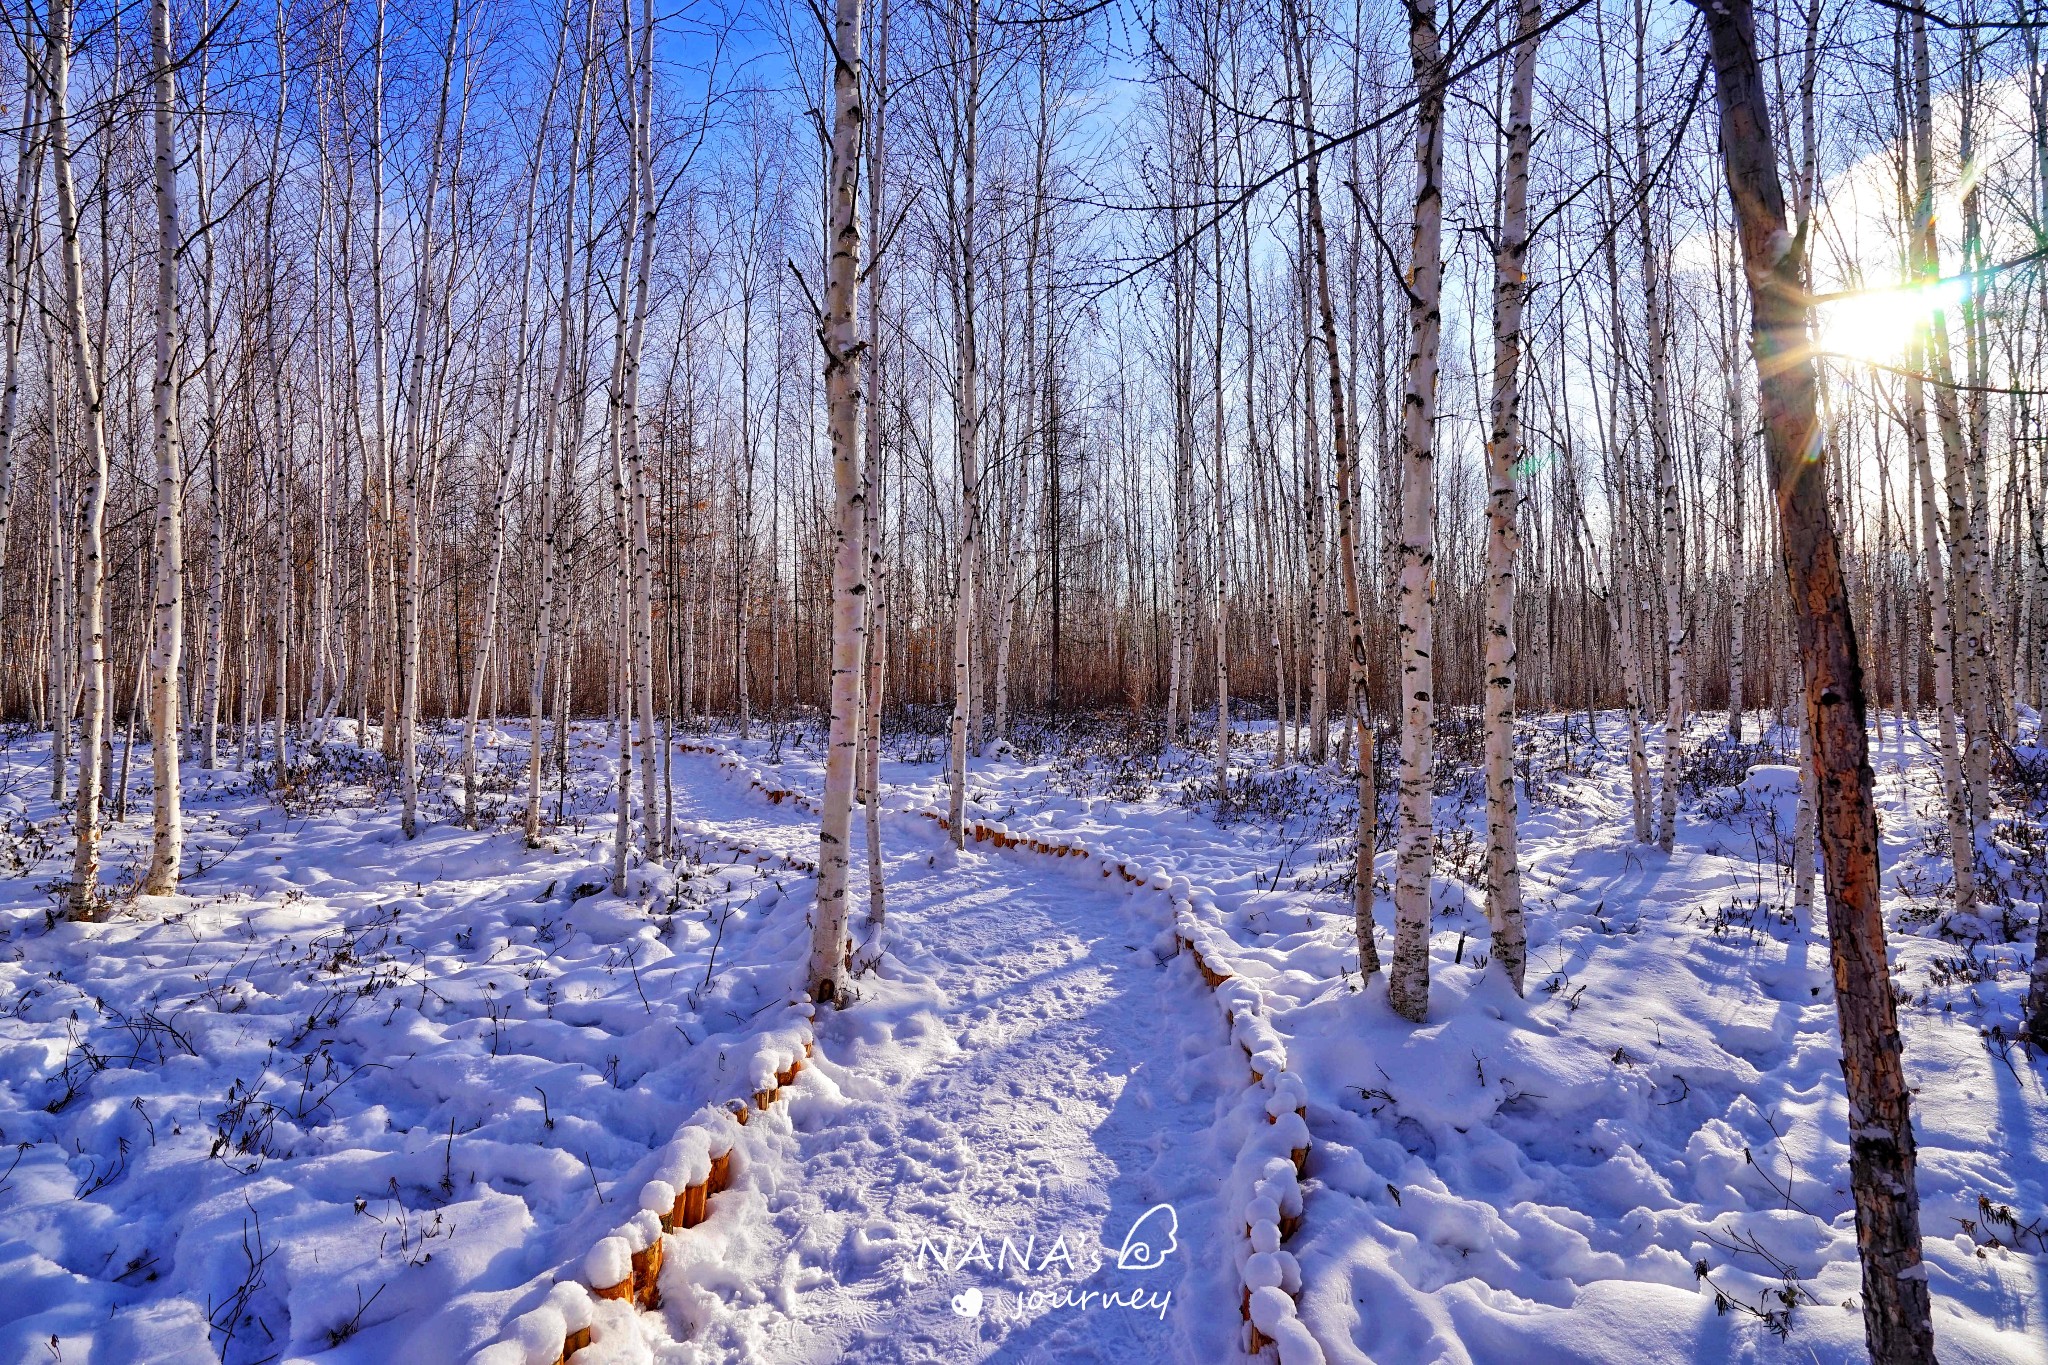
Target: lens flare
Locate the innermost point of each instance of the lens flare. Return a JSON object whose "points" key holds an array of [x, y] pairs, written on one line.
{"points": [[1880, 325]]}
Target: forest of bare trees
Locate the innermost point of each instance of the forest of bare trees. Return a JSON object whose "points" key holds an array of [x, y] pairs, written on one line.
{"points": [[1290, 382]]}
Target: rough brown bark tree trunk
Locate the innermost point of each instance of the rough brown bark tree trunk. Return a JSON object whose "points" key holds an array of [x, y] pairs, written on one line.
{"points": [[1897, 1323]]}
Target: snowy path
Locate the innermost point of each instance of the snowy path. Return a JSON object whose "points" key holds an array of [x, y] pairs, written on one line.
{"points": [[1542, 1178], [1007, 1077]]}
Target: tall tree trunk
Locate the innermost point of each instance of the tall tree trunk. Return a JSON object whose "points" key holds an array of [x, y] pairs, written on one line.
{"points": [[85, 865], [1738, 530], [1342, 434], [644, 225], [213, 637], [837, 329], [168, 835], [384, 589], [967, 418], [1897, 1323], [1946, 590], [1663, 441], [1219, 499], [875, 639], [1973, 542], [1318, 554], [16, 273], [1503, 539], [419, 455], [1408, 987], [554, 491]]}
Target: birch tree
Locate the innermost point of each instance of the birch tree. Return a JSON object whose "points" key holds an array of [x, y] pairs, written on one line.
{"points": [[962, 191], [1503, 454], [837, 332], [1408, 987], [168, 579], [85, 867], [17, 275], [1365, 837]]}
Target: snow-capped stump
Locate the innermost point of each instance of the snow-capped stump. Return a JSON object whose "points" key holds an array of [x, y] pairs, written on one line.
{"points": [[1210, 975], [1289, 1095], [572, 1301], [1293, 1131], [686, 1169], [721, 1166], [1279, 1186], [541, 1335], [1274, 1322], [643, 1234], [764, 1076], [692, 1206], [1273, 1269], [1775, 786], [658, 1197], [608, 1268], [1774, 777]]}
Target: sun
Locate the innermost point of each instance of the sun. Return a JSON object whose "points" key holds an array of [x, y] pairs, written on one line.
{"points": [[1880, 324]]}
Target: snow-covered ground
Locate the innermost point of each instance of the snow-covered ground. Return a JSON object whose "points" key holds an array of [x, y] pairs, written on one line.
{"points": [[348, 1091], [361, 1099], [1645, 1159]]}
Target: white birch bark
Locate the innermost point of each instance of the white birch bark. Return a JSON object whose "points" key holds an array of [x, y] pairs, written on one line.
{"points": [[1973, 544], [1663, 442], [1503, 539], [1318, 530], [967, 416], [168, 831], [1408, 986], [281, 447], [384, 588], [544, 646], [85, 866], [642, 624], [1930, 347], [837, 329], [1177, 681], [417, 454], [875, 639], [16, 274], [213, 635], [1366, 830], [515, 427], [1737, 476], [1219, 502], [1803, 830], [63, 643]]}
